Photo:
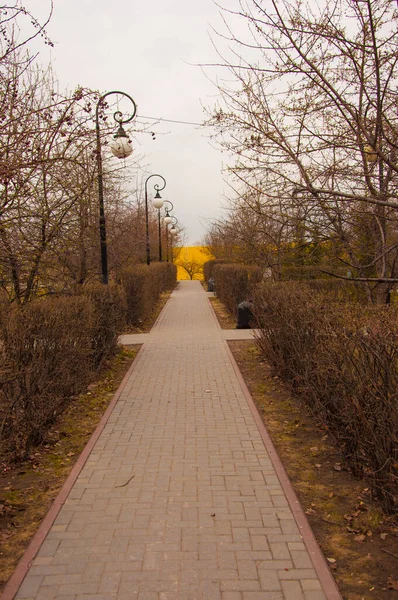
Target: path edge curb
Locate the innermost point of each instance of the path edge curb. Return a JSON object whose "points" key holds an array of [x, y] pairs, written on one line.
{"points": [[24, 564], [157, 321], [321, 567], [326, 578]]}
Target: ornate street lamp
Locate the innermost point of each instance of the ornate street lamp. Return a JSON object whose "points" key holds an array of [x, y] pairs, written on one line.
{"points": [[121, 148], [173, 229], [157, 203], [167, 219], [173, 232]]}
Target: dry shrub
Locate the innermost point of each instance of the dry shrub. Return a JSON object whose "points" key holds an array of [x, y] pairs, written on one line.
{"points": [[235, 283], [143, 285], [281, 310], [308, 272], [110, 306], [339, 290], [209, 265], [343, 361], [46, 357], [169, 276]]}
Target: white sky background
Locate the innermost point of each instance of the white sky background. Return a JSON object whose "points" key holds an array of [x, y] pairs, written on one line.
{"points": [[148, 48]]}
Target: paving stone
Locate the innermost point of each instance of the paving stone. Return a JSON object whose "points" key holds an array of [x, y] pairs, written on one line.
{"points": [[30, 586], [178, 499]]}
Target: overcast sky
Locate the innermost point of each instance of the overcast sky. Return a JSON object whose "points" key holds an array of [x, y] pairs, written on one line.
{"points": [[149, 49]]}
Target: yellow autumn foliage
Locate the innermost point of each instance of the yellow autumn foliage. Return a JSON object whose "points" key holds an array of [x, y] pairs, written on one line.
{"points": [[190, 261]]}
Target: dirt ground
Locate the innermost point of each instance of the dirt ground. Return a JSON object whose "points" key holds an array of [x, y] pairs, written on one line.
{"points": [[359, 542]]}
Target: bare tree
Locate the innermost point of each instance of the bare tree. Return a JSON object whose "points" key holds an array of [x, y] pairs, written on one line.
{"points": [[311, 119], [191, 267], [48, 186], [18, 27]]}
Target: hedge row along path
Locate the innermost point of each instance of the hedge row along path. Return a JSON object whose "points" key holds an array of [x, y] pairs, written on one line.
{"points": [[180, 494]]}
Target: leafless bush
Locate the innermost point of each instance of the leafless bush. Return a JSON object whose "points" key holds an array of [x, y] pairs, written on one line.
{"points": [[46, 357], [143, 285], [343, 361], [110, 306], [339, 290], [235, 283], [169, 276], [209, 265]]}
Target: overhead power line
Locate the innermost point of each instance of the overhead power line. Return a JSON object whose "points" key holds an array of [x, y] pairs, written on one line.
{"points": [[170, 120]]}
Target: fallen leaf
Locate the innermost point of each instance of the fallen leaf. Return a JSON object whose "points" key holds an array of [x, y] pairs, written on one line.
{"points": [[392, 584], [360, 538], [331, 560], [383, 536]]}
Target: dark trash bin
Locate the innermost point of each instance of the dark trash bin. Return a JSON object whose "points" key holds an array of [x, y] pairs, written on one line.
{"points": [[210, 285], [245, 315]]}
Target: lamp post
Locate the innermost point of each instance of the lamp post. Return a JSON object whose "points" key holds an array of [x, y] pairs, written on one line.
{"points": [[168, 219], [173, 232], [121, 148], [158, 203]]}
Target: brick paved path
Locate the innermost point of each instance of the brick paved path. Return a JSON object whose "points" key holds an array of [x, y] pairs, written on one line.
{"points": [[179, 499]]}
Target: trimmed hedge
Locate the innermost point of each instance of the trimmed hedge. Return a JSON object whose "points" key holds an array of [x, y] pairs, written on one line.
{"points": [[209, 265], [343, 361], [143, 285], [110, 308], [235, 283], [308, 272], [339, 290], [46, 358], [49, 352]]}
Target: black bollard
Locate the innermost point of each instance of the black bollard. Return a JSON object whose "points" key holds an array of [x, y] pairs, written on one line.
{"points": [[245, 315]]}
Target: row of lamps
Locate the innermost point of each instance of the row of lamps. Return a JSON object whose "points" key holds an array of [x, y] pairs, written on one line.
{"points": [[121, 148]]}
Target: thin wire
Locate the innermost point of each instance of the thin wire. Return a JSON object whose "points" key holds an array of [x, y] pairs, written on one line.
{"points": [[170, 120]]}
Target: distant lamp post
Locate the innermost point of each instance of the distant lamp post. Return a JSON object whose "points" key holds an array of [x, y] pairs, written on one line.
{"points": [[173, 232], [167, 219], [157, 203], [174, 229], [121, 148]]}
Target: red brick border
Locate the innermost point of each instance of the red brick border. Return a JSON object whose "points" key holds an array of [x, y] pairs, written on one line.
{"points": [[24, 564]]}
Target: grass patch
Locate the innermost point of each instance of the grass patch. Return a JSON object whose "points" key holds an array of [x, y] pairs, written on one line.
{"points": [[224, 317]]}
